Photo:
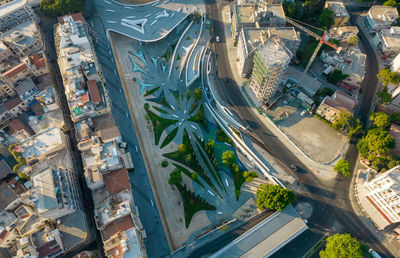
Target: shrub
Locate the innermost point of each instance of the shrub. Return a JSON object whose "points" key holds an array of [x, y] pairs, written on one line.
{"points": [[164, 163]]}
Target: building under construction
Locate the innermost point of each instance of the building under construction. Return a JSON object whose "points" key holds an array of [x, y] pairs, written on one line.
{"points": [[270, 63]]}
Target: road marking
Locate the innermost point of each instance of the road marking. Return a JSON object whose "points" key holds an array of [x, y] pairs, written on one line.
{"points": [[115, 72], [106, 2], [127, 7], [184, 111], [219, 213], [120, 90], [136, 148], [113, 22], [172, 107], [147, 15], [109, 10], [175, 116], [226, 181], [210, 192], [194, 127], [126, 112], [131, 17], [152, 204]]}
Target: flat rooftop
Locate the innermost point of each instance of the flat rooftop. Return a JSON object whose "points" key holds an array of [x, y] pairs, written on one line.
{"points": [[245, 13], [383, 14], [253, 37], [288, 35], [7, 8], [266, 237], [339, 8], [274, 52], [42, 143], [28, 29], [391, 37], [45, 190]]}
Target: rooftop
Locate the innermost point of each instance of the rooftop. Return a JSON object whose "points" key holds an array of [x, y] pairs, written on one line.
{"points": [[288, 35], [383, 14], [10, 7], [12, 102], [395, 132], [114, 207], [43, 143], [22, 35], [305, 81], [7, 195], [117, 181], [15, 70], [254, 37], [274, 52], [391, 37], [340, 101], [245, 13], [119, 225], [267, 237], [44, 191], [338, 8]]}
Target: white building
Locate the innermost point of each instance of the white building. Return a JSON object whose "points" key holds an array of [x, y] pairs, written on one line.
{"points": [[395, 67], [383, 194], [388, 41], [15, 12], [54, 193], [381, 17]]}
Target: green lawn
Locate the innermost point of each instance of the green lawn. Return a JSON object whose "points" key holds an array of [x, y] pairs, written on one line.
{"points": [[192, 203], [169, 137], [200, 118], [150, 92], [188, 173], [159, 124]]}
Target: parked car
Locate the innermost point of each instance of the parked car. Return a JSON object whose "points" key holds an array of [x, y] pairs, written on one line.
{"points": [[303, 112], [217, 38], [374, 254]]}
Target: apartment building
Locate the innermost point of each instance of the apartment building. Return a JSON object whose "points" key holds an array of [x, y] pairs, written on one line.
{"points": [[15, 12], [381, 17], [257, 15], [383, 197], [395, 66], [388, 42], [342, 34], [252, 38], [341, 16], [84, 87], [331, 107], [270, 63]]}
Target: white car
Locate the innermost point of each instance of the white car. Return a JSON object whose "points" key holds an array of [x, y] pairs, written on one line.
{"points": [[303, 112], [374, 254], [217, 38]]}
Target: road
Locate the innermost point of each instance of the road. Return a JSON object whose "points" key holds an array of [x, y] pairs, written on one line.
{"points": [[156, 242], [329, 199]]}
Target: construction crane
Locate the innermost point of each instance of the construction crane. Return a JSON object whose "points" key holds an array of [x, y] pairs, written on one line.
{"points": [[322, 40]]}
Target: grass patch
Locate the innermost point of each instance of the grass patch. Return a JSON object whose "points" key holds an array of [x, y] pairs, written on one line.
{"points": [[188, 158], [193, 107], [188, 173], [238, 180], [200, 118], [168, 54], [164, 102], [160, 110], [150, 92], [192, 203], [159, 124], [169, 137], [222, 137]]}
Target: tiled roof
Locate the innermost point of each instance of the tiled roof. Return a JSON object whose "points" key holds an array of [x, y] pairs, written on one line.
{"points": [[94, 91], [13, 102], [75, 17], [85, 97], [341, 102], [37, 61], [117, 181], [118, 225], [115, 252], [395, 132], [15, 126], [15, 70]]}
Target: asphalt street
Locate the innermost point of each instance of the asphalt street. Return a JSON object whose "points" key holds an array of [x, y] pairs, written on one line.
{"points": [[330, 199], [156, 242]]}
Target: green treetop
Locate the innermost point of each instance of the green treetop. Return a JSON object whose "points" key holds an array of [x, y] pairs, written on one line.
{"points": [[175, 178], [353, 40], [274, 197], [376, 142], [343, 246], [380, 119], [386, 76], [343, 167], [228, 158]]}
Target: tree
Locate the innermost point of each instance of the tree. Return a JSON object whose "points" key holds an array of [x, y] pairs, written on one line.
{"points": [[210, 144], [347, 123], [249, 175], [385, 96], [274, 197], [325, 91], [342, 245], [353, 40], [182, 148], [325, 20], [228, 158], [380, 119], [395, 118], [377, 142], [336, 76], [164, 163], [54, 8], [343, 167], [175, 178], [386, 76], [390, 3], [293, 9], [198, 94], [194, 176]]}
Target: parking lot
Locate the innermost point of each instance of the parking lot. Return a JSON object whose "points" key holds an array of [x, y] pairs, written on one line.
{"points": [[318, 140]]}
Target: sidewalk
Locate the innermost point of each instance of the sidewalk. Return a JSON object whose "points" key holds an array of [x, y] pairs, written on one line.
{"points": [[324, 171]]}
